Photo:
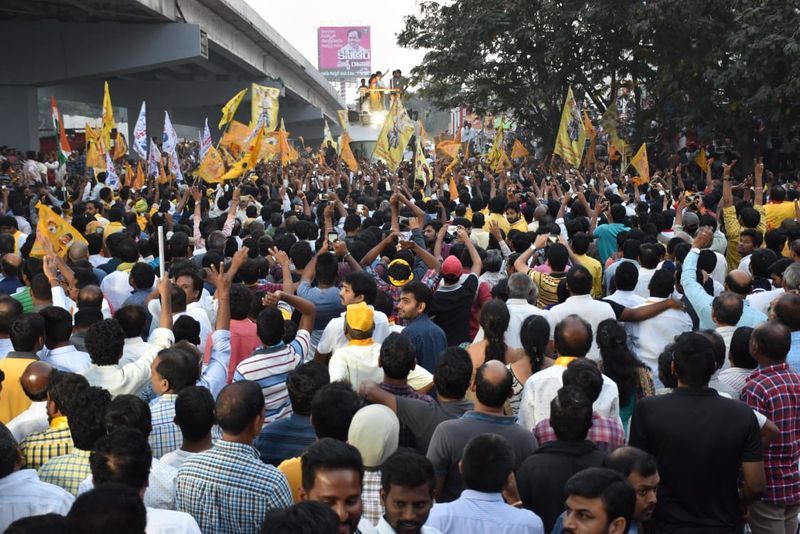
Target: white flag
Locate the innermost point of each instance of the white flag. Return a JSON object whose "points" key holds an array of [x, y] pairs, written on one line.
{"points": [[170, 138], [112, 180], [205, 141], [153, 161], [175, 166], [139, 144]]}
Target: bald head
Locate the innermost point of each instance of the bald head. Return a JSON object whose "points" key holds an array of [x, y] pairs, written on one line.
{"points": [[573, 337], [770, 343], [727, 309], [35, 379], [787, 310], [78, 251], [493, 384], [13, 260], [90, 296], [740, 282], [238, 406], [539, 212]]}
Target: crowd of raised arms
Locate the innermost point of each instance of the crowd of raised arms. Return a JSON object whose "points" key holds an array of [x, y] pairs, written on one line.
{"points": [[535, 349]]}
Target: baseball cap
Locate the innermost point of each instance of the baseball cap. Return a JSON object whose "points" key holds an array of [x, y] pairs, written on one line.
{"points": [[451, 267], [359, 317]]}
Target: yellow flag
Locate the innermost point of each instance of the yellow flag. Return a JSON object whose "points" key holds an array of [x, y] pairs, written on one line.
{"points": [[287, 151], [108, 117], [138, 182], [701, 159], [236, 171], [254, 150], [422, 133], [93, 158], [212, 167], [396, 132], [421, 168], [571, 138], [90, 133], [498, 160], [54, 228], [128, 174], [234, 138], [642, 166], [591, 133], [265, 107], [453, 189], [327, 136], [229, 109], [344, 120], [120, 147], [347, 154], [162, 175], [518, 150]]}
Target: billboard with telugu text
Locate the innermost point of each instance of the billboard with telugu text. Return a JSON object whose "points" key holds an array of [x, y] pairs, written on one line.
{"points": [[344, 52]]}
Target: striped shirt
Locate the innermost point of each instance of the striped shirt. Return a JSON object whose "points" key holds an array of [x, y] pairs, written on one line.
{"points": [[228, 489], [166, 435], [41, 446], [67, 471], [269, 367]]}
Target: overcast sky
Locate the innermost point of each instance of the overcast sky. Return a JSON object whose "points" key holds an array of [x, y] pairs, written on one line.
{"points": [[297, 22]]}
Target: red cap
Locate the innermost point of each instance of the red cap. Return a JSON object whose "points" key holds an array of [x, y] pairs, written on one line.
{"points": [[451, 267]]}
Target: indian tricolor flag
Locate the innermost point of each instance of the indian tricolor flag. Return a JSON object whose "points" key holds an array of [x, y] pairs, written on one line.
{"points": [[62, 143]]}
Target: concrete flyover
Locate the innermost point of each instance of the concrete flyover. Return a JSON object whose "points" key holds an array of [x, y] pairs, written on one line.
{"points": [[187, 57]]}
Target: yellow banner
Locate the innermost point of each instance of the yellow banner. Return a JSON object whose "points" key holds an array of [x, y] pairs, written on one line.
{"points": [[265, 106], [394, 137], [212, 167], [234, 137], [120, 147], [138, 182], [642, 166], [571, 138], [58, 231]]}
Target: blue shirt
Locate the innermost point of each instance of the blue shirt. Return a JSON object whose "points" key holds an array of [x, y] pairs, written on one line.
{"points": [[10, 285], [793, 359], [327, 301], [428, 339], [479, 512], [228, 490], [606, 235], [285, 438], [701, 301]]}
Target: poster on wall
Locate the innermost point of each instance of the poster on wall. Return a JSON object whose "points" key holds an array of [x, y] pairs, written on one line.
{"points": [[344, 52]]}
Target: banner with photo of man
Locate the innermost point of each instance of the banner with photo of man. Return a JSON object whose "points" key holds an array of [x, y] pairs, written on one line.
{"points": [[344, 52]]}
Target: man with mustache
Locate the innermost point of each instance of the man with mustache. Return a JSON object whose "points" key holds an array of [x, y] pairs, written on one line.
{"points": [[407, 484], [332, 474], [641, 470], [599, 501]]}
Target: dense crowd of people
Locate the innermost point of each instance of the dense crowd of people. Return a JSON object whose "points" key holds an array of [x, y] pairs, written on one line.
{"points": [[535, 349]]}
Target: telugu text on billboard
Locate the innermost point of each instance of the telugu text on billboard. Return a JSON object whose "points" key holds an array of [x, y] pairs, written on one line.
{"points": [[344, 52]]}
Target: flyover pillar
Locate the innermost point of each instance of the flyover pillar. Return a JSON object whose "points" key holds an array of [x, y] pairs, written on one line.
{"points": [[19, 117]]}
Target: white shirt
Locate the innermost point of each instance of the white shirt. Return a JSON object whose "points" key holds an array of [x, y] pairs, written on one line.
{"points": [[22, 494], [116, 287], [357, 363], [735, 378], [97, 260], [744, 265], [720, 269], [134, 348], [592, 311], [160, 492], [195, 310], [518, 310], [34, 419], [177, 457], [629, 299], [5, 347], [132, 377], [66, 358], [170, 522], [542, 387], [727, 334], [762, 300], [333, 336], [642, 286], [653, 334]]}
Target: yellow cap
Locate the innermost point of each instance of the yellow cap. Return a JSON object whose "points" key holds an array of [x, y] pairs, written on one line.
{"points": [[359, 317]]}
